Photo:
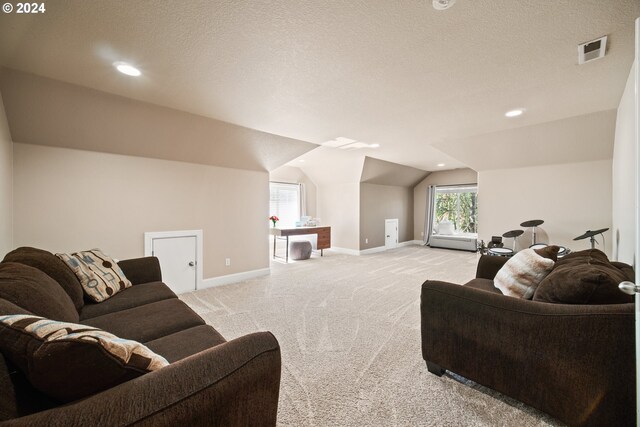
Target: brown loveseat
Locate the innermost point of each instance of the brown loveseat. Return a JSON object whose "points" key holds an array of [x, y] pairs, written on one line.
{"points": [[209, 382], [572, 361]]}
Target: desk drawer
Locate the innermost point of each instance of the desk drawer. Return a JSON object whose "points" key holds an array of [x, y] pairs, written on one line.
{"points": [[324, 239]]}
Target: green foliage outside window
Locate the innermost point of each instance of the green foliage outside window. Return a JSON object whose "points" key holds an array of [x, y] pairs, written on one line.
{"points": [[459, 208]]}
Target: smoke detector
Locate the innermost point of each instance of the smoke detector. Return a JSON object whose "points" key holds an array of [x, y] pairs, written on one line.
{"points": [[590, 51], [443, 4]]}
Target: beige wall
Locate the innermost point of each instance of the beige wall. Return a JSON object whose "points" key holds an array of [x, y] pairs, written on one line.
{"points": [[6, 185], [376, 171], [67, 200], [584, 138], [449, 177], [297, 176], [380, 202], [570, 198], [49, 112], [339, 207], [624, 169]]}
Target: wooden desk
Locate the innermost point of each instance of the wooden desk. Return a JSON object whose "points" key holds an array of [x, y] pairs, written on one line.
{"points": [[323, 233]]}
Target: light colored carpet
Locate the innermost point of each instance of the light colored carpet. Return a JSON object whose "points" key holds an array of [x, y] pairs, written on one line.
{"points": [[349, 329]]}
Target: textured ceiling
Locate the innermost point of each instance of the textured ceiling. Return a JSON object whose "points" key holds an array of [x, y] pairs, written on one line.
{"points": [[399, 74]]}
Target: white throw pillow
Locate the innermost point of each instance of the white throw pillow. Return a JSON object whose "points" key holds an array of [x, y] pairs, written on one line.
{"points": [[520, 275]]}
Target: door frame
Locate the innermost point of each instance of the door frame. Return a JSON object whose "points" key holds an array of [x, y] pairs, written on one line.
{"points": [[148, 246]]}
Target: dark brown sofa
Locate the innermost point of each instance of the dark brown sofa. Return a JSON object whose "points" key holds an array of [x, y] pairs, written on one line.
{"points": [[209, 382], [572, 361]]}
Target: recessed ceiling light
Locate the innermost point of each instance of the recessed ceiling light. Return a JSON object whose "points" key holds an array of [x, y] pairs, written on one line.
{"points": [[374, 145], [442, 4], [301, 161], [514, 113], [127, 69], [440, 165]]}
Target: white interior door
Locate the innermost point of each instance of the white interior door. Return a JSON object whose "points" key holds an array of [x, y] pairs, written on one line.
{"points": [[177, 257], [390, 233]]}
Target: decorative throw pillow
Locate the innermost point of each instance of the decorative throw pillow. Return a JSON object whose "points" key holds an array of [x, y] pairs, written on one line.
{"points": [[585, 277], [522, 273], [68, 361], [550, 252], [99, 274]]}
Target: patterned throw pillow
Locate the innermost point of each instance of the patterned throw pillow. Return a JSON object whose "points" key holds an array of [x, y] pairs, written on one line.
{"points": [[68, 361], [99, 274], [522, 273]]}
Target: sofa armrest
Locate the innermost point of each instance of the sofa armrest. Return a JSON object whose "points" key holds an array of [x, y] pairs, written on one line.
{"points": [[233, 384], [575, 362], [488, 266], [141, 270]]}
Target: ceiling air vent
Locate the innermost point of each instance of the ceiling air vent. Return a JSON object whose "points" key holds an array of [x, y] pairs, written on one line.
{"points": [[590, 51]]}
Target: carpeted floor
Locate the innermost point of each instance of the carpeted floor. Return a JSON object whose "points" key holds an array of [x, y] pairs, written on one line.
{"points": [[349, 329]]}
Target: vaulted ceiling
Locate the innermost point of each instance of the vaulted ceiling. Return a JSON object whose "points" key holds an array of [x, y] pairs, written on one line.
{"points": [[398, 74]]}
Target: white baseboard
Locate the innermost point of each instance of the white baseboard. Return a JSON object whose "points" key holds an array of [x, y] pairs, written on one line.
{"points": [[344, 250], [373, 250], [234, 278], [411, 242]]}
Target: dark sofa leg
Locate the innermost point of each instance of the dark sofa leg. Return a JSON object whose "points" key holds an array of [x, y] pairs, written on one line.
{"points": [[434, 369]]}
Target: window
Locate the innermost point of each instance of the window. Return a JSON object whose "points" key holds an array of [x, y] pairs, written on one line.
{"points": [[458, 205], [284, 202]]}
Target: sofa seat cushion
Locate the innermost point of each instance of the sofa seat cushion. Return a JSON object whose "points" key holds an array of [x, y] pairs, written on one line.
{"points": [[148, 322], [34, 291], [483, 284], [69, 361], [53, 267], [186, 343], [584, 277], [134, 296]]}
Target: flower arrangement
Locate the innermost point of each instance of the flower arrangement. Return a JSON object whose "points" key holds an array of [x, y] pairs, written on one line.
{"points": [[274, 219]]}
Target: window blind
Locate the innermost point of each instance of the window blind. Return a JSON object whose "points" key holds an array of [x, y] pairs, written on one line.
{"points": [[284, 202]]}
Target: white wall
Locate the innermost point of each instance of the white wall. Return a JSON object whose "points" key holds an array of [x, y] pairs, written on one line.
{"points": [[570, 198], [339, 207], [6, 185], [624, 169], [448, 177], [69, 200]]}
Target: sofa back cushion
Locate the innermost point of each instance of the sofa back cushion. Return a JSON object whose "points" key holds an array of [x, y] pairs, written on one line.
{"points": [[31, 289], [584, 277], [53, 267], [69, 361]]}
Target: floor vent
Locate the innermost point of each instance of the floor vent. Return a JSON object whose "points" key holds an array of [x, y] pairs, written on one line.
{"points": [[590, 51]]}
